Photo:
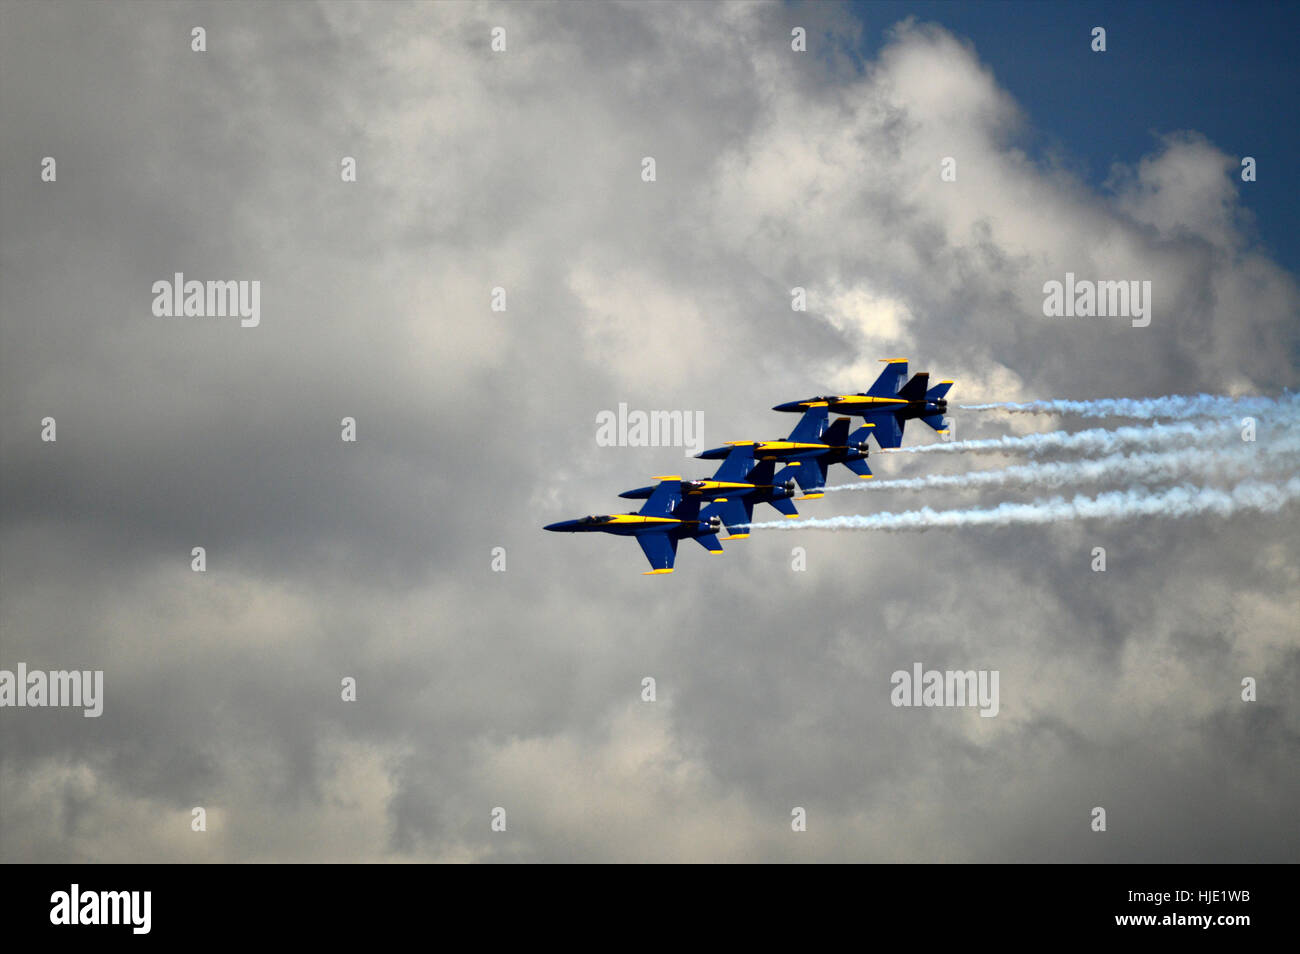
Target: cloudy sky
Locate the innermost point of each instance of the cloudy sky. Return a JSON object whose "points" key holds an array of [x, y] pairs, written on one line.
{"points": [[522, 689]]}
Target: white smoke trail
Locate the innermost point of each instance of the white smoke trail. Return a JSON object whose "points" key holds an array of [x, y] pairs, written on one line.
{"points": [[1173, 407], [1228, 462], [1097, 440], [1183, 501]]}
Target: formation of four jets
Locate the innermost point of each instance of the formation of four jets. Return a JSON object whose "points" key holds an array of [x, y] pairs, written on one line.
{"points": [[677, 509]]}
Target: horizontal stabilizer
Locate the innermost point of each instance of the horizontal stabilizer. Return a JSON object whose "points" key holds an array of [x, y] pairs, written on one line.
{"points": [[785, 505], [710, 542], [858, 467], [937, 422], [940, 390]]}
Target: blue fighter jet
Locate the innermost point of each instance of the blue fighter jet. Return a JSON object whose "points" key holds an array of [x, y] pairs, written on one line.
{"points": [[666, 518], [889, 403], [809, 450], [740, 483]]}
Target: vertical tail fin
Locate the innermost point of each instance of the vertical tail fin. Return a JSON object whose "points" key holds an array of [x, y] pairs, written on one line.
{"points": [[914, 390], [938, 391], [837, 433], [937, 422], [762, 472]]}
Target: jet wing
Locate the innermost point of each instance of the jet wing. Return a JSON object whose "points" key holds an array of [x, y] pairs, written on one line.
{"points": [[810, 426], [660, 549], [664, 499], [937, 422], [737, 465], [890, 380]]}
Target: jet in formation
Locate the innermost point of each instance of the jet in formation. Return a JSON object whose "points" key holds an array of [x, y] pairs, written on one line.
{"points": [[740, 483], [677, 509], [666, 518], [812, 447], [889, 403]]}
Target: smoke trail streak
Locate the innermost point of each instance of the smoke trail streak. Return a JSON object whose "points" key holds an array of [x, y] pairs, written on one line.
{"points": [[1232, 462], [1174, 407], [1183, 501], [1097, 440]]}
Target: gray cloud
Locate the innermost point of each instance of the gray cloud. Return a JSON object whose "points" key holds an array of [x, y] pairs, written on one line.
{"points": [[521, 689]]}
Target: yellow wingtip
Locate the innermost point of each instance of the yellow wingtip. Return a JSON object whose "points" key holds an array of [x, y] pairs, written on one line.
{"points": [[893, 360], [654, 572], [792, 516], [737, 536]]}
